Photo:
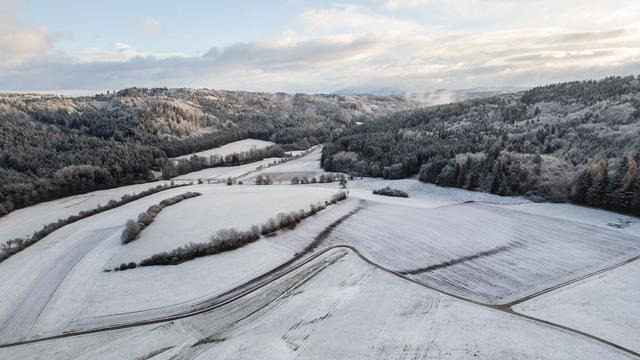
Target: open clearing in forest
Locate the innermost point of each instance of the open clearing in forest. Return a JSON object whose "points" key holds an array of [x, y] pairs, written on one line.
{"points": [[230, 148]]}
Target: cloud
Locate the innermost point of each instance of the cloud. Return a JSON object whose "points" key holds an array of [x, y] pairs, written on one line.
{"points": [[19, 42], [566, 14], [150, 28], [350, 46], [119, 52]]}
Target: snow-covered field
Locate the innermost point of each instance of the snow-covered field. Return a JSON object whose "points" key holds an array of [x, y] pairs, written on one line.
{"points": [[602, 218], [58, 282], [24, 222], [478, 247], [219, 207], [336, 307], [43, 270], [231, 148], [223, 172], [423, 194], [605, 305], [308, 166], [482, 252]]}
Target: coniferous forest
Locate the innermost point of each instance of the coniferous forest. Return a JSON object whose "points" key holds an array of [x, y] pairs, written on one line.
{"points": [[53, 146], [577, 141]]}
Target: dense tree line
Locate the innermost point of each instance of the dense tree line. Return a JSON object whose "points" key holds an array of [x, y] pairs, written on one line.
{"points": [[617, 190], [559, 142], [52, 146]]}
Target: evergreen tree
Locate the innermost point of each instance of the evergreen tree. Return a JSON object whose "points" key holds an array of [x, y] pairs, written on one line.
{"points": [[582, 187], [600, 195]]}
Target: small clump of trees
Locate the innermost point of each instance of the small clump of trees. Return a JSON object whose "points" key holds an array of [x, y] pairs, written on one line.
{"points": [[133, 227], [324, 178], [13, 246], [264, 180], [388, 191], [231, 239]]}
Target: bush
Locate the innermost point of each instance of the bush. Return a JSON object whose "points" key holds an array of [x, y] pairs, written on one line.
{"points": [[387, 191], [131, 231]]}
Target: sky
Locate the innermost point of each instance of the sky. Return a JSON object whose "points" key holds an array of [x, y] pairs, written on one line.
{"points": [[313, 46]]}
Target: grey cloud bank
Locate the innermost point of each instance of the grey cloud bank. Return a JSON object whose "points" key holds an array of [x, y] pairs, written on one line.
{"points": [[365, 49]]}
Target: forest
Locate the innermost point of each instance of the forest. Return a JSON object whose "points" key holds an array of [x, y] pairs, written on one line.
{"points": [[54, 146], [577, 141]]}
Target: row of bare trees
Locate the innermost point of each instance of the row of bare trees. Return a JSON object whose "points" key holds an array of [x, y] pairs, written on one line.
{"points": [[13, 246], [230, 239]]}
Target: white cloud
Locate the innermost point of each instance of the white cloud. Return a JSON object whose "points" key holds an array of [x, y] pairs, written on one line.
{"points": [[354, 46], [119, 52], [151, 28], [19, 42]]}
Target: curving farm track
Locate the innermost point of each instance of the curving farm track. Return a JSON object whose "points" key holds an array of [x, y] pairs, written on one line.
{"points": [[18, 324]]}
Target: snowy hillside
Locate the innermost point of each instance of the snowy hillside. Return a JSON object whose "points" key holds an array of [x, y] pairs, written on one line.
{"points": [[449, 262]]}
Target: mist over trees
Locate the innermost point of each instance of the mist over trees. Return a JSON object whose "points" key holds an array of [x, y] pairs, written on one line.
{"points": [[577, 141], [53, 146]]}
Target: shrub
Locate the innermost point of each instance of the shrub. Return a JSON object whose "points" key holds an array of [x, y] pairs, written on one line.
{"points": [[387, 191], [131, 231]]}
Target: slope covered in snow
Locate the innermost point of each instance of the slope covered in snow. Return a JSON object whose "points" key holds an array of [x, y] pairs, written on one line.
{"points": [[23, 222], [472, 245], [481, 252], [219, 207], [605, 305], [359, 312], [221, 173], [607, 219], [308, 165], [231, 148]]}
